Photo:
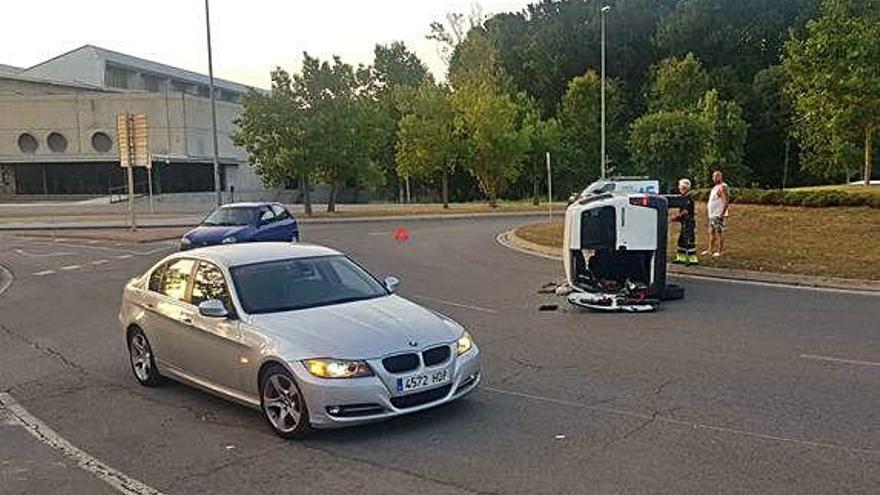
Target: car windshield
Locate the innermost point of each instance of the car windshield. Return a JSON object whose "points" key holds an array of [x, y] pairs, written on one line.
{"points": [[299, 283], [231, 216]]}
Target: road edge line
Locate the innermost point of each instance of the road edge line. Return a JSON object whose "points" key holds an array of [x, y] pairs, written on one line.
{"points": [[46, 435]]}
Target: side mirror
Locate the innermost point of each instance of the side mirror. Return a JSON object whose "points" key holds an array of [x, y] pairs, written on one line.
{"points": [[391, 283], [213, 308]]}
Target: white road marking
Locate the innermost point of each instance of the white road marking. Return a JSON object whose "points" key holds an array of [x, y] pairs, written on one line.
{"points": [[71, 267], [378, 233], [123, 257], [684, 423], [5, 280], [117, 250], [42, 432], [99, 262], [838, 360], [41, 255], [453, 303], [44, 272]]}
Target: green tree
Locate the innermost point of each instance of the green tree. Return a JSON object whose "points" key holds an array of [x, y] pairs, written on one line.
{"points": [[339, 139], [395, 68], [545, 136], [668, 144], [550, 42], [743, 36], [770, 152], [677, 84], [725, 140], [580, 116], [834, 78], [427, 146], [488, 116], [270, 129]]}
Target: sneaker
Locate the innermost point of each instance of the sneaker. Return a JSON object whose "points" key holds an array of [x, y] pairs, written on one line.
{"points": [[706, 253], [716, 255], [679, 259], [693, 260]]}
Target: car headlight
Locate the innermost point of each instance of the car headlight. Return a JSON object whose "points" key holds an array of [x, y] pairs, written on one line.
{"points": [[185, 241], [228, 240], [337, 368], [465, 343]]}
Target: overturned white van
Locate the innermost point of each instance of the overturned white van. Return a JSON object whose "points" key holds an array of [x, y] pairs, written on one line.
{"points": [[614, 246]]}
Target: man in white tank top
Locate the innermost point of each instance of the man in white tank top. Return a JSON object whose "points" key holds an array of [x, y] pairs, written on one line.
{"points": [[718, 208]]}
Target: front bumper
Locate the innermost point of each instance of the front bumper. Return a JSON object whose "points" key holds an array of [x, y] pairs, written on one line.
{"points": [[345, 402]]}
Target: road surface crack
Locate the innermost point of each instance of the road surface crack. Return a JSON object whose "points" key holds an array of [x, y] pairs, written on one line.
{"points": [[45, 349]]}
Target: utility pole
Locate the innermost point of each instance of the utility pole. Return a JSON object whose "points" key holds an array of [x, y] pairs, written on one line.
{"points": [[604, 11], [213, 108]]}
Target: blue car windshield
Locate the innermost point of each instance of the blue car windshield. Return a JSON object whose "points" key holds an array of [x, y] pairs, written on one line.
{"points": [[231, 216], [299, 283]]}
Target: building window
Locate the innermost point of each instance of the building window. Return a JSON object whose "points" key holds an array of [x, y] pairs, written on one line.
{"points": [[115, 77], [101, 142], [152, 83], [27, 143], [57, 142]]}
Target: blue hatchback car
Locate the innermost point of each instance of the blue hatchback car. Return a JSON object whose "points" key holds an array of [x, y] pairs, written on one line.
{"points": [[243, 222]]}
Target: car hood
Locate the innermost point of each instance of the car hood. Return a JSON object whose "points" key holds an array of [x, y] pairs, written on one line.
{"points": [[365, 329], [214, 233]]}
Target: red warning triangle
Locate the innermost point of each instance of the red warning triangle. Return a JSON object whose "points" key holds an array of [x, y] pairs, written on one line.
{"points": [[401, 234]]}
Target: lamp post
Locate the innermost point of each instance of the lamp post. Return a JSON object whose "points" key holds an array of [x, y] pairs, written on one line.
{"points": [[213, 108], [605, 10]]}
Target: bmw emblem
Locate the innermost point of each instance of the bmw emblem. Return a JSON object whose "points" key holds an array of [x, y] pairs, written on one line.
{"points": [[413, 343]]}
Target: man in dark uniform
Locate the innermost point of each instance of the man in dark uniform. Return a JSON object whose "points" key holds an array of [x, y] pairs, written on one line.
{"points": [[687, 240]]}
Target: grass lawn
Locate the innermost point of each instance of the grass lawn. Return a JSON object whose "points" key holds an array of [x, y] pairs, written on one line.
{"points": [[832, 242]]}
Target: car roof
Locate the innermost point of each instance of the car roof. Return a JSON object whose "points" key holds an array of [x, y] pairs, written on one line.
{"points": [[257, 252]]}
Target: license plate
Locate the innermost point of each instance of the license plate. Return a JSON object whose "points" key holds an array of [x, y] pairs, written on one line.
{"points": [[423, 380]]}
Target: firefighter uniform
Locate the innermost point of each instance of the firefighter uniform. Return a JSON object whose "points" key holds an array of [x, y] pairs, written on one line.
{"points": [[687, 239]]}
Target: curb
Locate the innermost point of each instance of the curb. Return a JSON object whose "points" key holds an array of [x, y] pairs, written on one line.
{"points": [[301, 219], [510, 240]]}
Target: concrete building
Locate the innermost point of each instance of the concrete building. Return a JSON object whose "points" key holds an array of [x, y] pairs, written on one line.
{"points": [[58, 126]]}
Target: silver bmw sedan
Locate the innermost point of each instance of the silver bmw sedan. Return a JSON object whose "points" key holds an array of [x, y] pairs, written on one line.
{"points": [[299, 331]]}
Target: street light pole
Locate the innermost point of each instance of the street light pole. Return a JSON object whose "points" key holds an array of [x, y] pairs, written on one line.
{"points": [[605, 10], [213, 108]]}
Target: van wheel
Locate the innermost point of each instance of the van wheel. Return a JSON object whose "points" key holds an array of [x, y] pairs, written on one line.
{"points": [[673, 292]]}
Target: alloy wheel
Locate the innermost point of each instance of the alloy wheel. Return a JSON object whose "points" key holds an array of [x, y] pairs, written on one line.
{"points": [[282, 403]]}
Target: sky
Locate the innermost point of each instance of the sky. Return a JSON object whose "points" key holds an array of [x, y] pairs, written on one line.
{"points": [[250, 37]]}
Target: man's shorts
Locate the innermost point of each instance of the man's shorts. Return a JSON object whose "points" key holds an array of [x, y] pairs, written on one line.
{"points": [[716, 224]]}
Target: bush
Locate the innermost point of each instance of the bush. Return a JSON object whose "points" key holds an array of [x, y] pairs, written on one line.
{"points": [[812, 199]]}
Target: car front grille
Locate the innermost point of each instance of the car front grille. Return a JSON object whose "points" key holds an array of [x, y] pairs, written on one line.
{"points": [[401, 363], [436, 355], [419, 398]]}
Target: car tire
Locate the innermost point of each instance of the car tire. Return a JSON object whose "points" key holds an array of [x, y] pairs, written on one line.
{"points": [[282, 403], [142, 360]]}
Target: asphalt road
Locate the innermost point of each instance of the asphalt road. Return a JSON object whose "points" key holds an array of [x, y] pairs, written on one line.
{"points": [[736, 389]]}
